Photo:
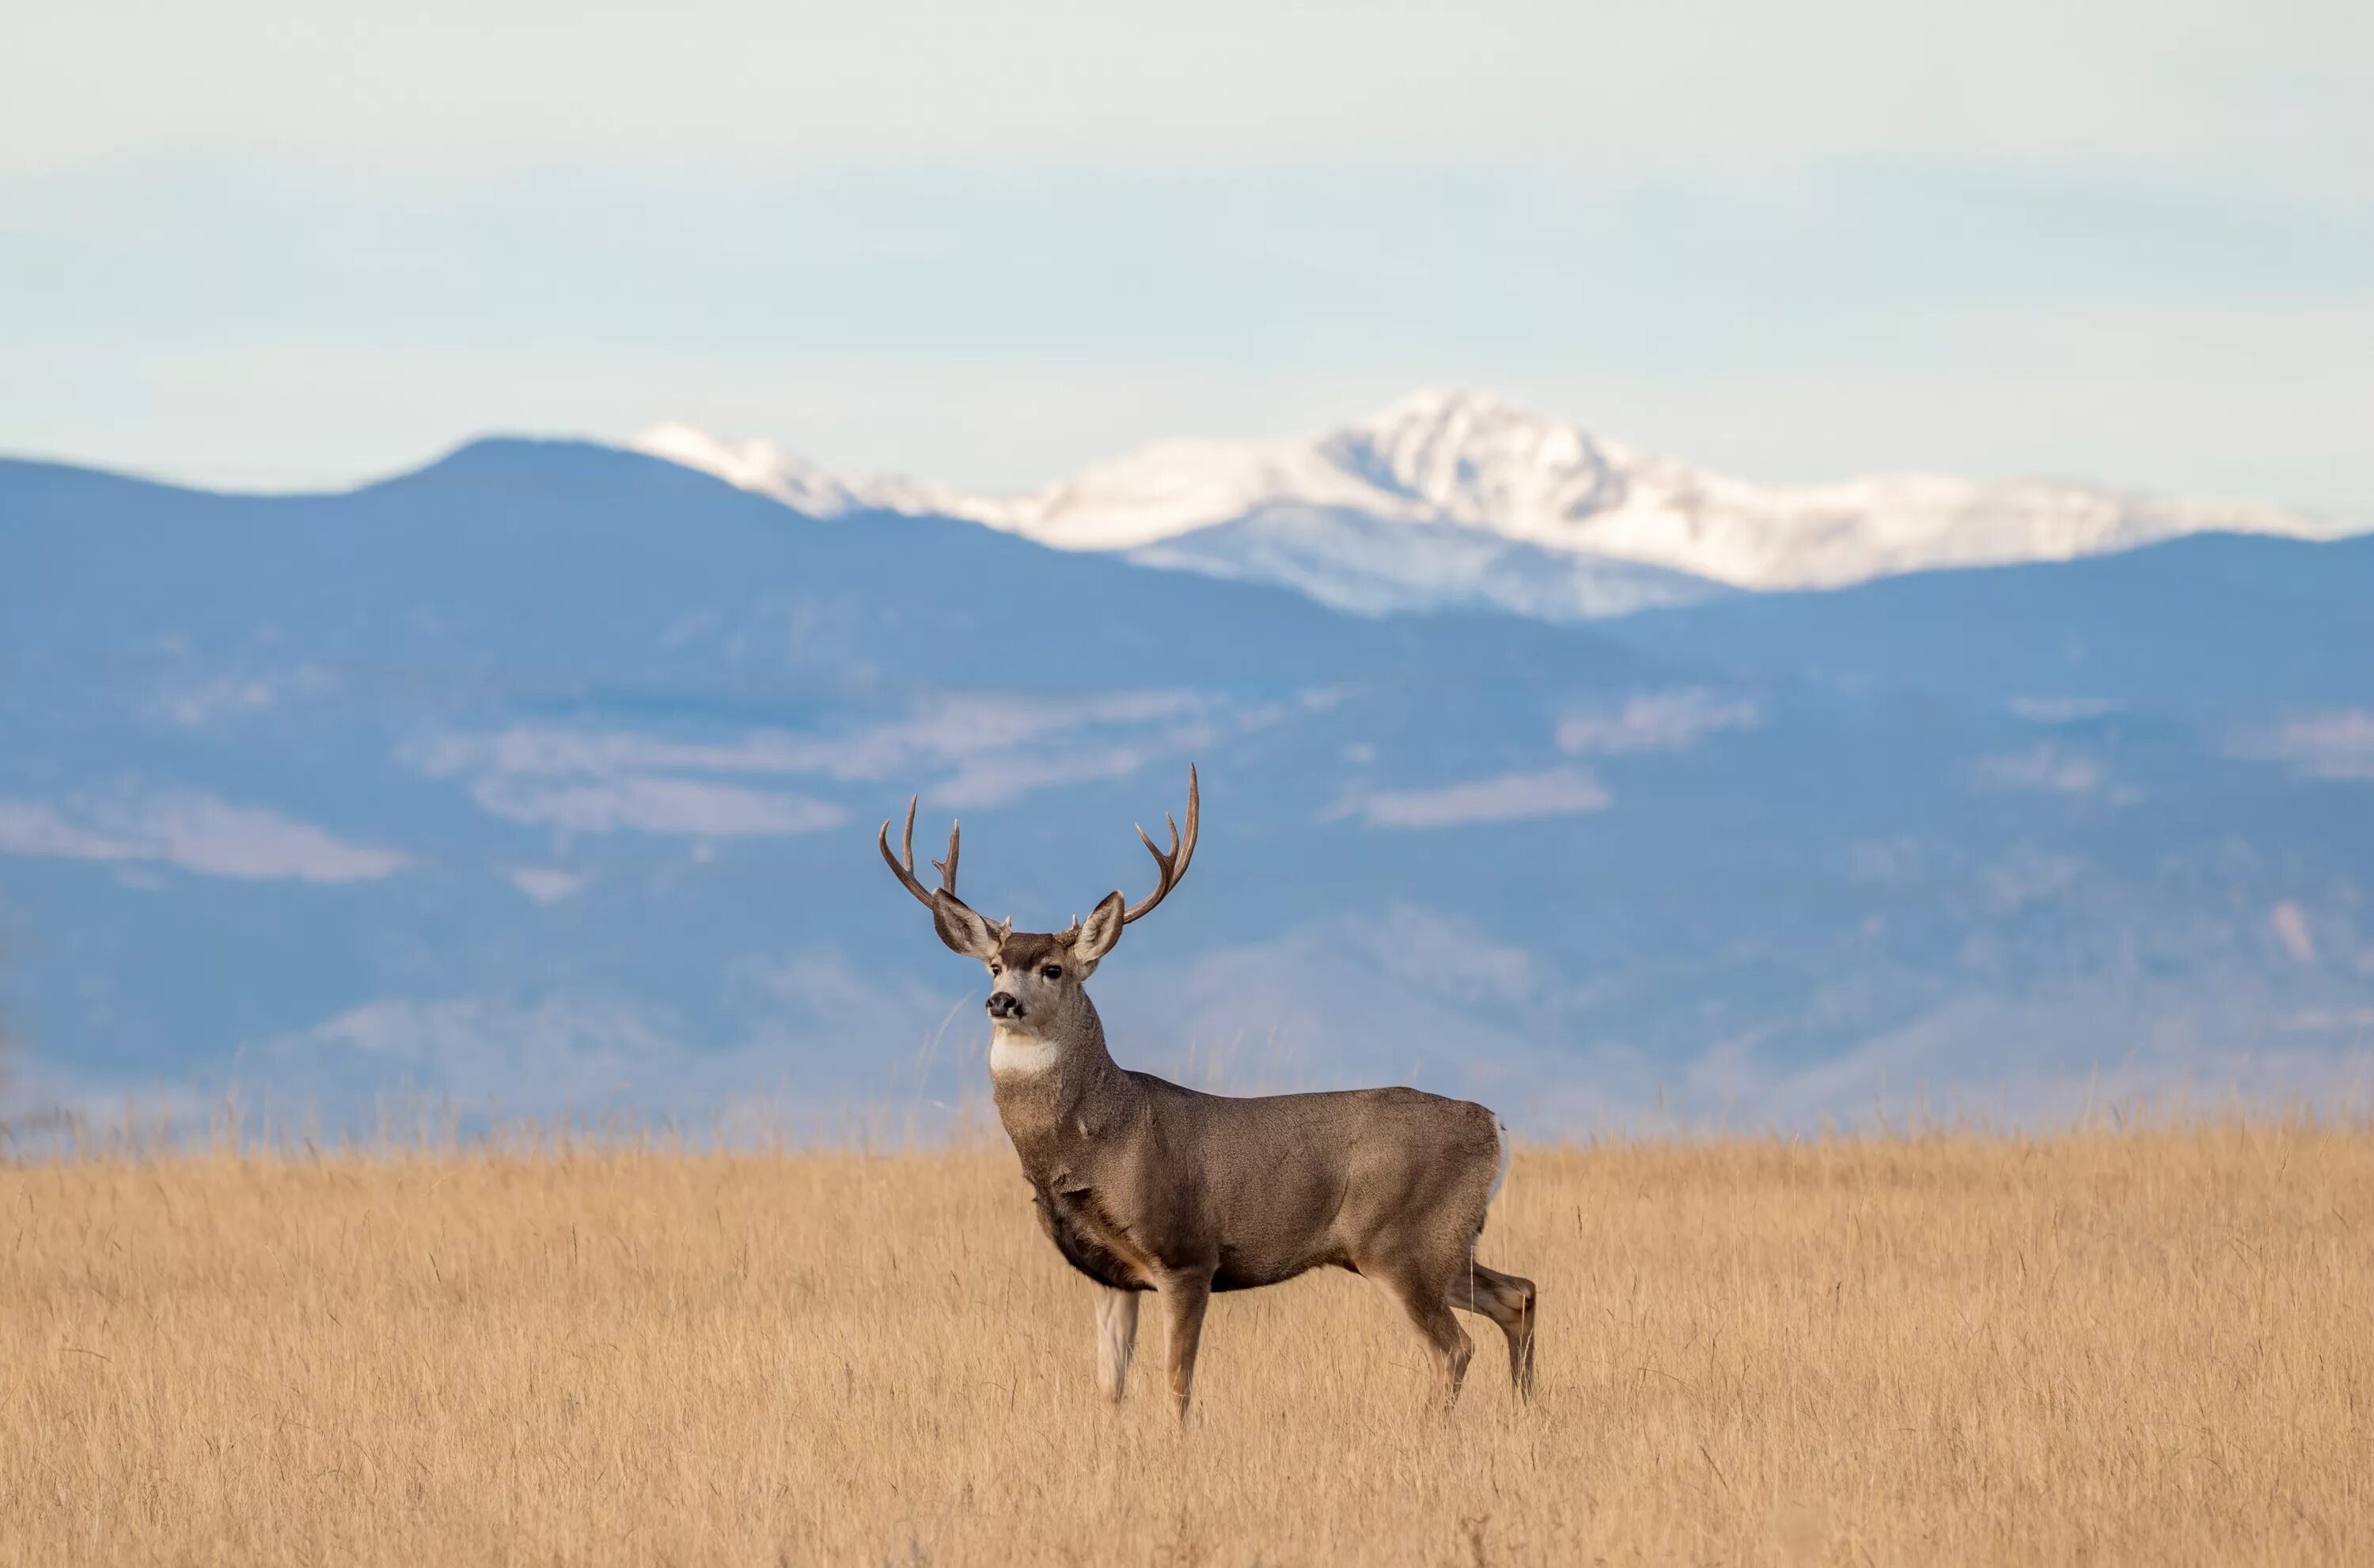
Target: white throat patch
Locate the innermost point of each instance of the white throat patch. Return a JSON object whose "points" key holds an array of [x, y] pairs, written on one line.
{"points": [[1018, 1054]]}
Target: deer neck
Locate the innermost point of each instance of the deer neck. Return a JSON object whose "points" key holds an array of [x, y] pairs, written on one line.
{"points": [[1050, 1086]]}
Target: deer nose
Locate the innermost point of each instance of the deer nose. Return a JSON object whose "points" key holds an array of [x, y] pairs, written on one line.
{"points": [[1002, 1005]]}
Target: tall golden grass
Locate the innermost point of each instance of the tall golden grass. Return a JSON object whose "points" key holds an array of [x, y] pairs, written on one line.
{"points": [[2140, 1347]]}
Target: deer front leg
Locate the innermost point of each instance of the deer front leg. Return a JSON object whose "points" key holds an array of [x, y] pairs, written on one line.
{"points": [[1116, 1339], [1184, 1297], [1423, 1296]]}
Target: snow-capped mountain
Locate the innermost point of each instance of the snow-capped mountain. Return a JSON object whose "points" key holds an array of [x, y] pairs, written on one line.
{"points": [[767, 470], [1588, 514], [1353, 560]]}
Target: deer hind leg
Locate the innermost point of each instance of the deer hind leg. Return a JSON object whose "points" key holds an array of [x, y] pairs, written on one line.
{"points": [[1184, 1297], [1507, 1300], [1428, 1305], [1116, 1339]]}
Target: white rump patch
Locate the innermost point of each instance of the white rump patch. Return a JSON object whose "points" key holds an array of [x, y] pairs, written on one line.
{"points": [[1018, 1054], [1500, 1173]]}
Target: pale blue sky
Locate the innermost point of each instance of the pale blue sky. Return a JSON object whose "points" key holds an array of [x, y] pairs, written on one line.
{"points": [[276, 245]]}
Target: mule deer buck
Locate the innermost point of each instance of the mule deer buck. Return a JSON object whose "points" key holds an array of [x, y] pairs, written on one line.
{"points": [[1144, 1186]]}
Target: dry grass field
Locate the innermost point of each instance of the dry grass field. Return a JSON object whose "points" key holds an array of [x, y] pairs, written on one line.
{"points": [[2143, 1347]]}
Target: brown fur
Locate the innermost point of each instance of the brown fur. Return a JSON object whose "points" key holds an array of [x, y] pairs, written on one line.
{"points": [[1144, 1186]]}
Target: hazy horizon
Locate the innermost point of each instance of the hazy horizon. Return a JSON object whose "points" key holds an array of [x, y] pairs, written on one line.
{"points": [[275, 249]]}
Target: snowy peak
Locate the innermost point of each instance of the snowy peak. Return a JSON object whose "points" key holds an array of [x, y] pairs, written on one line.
{"points": [[1455, 460], [767, 470], [1174, 488], [1475, 459], [1437, 457]]}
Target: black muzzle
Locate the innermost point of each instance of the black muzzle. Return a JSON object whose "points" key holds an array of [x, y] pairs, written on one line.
{"points": [[1002, 1005]]}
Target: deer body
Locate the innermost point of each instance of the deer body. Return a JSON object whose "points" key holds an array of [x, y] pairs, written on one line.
{"points": [[1144, 1186], [1129, 1172]]}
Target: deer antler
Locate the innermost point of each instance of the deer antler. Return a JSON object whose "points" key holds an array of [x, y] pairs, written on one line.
{"points": [[1174, 865], [902, 865]]}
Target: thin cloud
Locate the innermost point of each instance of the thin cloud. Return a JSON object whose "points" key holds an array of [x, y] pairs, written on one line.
{"points": [[944, 731], [544, 885], [196, 832], [30, 828], [2323, 745], [206, 704], [2062, 709], [788, 1022], [1657, 721], [2048, 769], [1444, 953], [2290, 926], [1509, 797], [683, 806], [983, 751], [1000, 781]]}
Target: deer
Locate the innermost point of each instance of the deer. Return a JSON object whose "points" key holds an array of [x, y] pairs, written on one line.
{"points": [[1146, 1185]]}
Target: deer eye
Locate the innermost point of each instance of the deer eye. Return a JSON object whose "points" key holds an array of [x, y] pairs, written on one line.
{"points": [[1054, 971], [997, 969]]}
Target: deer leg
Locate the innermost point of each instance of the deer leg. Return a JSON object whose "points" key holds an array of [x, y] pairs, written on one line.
{"points": [[1508, 1301], [1428, 1305], [1184, 1297], [1116, 1339]]}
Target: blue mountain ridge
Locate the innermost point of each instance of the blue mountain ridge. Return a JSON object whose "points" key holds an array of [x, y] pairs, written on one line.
{"points": [[546, 776]]}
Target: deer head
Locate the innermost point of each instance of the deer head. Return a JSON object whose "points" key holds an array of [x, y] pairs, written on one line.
{"points": [[1035, 977]]}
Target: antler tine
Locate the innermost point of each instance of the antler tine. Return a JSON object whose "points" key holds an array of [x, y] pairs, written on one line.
{"points": [[1172, 866], [902, 864], [947, 868]]}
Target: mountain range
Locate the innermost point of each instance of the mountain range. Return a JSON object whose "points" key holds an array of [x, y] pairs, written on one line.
{"points": [[546, 779], [1456, 497]]}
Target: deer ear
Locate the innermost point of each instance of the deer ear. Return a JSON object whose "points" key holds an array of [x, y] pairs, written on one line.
{"points": [[1099, 931], [963, 931]]}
